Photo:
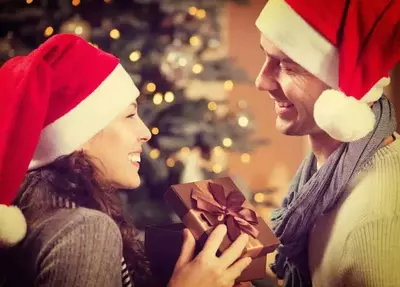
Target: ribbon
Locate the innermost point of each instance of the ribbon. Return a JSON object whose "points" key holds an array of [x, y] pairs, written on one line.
{"points": [[227, 210]]}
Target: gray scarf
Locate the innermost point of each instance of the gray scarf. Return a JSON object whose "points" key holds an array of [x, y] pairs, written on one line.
{"points": [[312, 195]]}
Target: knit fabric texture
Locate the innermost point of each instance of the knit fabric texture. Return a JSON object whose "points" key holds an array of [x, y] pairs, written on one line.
{"points": [[72, 246], [358, 242]]}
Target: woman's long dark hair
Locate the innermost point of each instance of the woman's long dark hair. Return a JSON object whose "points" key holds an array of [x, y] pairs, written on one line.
{"points": [[76, 178]]}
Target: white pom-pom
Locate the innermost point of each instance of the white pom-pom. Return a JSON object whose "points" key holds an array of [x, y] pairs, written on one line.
{"points": [[12, 225], [343, 118]]}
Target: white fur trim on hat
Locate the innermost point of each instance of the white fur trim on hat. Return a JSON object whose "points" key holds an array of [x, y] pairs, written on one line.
{"points": [[299, 41], [12, 225], [376, 92], [69, 132], [345, 118]]}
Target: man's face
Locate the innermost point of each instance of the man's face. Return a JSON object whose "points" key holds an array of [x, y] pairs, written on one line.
{"points": [[292, 88]]}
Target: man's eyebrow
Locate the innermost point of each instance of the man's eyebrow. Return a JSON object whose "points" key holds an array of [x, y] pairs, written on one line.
{"points": [[288, 60], [283, 59], [277, 58]]}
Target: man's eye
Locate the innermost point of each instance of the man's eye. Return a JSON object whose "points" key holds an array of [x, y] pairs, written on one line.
{"points": [[287, 69]]}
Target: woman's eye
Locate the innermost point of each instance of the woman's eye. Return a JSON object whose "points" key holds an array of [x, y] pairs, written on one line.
{"points": [[131, 116]]}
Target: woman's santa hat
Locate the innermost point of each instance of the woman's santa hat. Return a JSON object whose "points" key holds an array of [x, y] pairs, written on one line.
{"points": [[349, 45], [53, 101]]}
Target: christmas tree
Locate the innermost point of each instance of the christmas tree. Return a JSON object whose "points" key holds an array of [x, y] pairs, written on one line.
{"points": [[166, 46]]}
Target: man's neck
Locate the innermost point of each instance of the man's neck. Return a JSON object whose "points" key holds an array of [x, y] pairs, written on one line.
{"points": [[322, 146]]}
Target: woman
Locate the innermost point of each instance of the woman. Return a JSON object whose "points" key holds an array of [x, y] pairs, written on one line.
{"points": [[71, 135]]}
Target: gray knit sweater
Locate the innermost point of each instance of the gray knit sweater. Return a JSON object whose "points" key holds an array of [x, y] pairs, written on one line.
{"points": [[70, 247]]}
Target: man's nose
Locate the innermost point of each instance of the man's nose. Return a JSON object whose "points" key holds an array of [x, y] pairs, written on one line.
{"points": [[266, 79]]}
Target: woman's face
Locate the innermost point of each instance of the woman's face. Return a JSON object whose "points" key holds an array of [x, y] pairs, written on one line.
{"points": [[116, 149]]}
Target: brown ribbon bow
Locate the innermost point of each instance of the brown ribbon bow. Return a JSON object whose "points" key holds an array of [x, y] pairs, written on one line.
{"points": [[227, 209]]}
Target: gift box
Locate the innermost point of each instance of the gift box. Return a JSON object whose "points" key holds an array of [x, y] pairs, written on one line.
{"points": [[202, 206]]}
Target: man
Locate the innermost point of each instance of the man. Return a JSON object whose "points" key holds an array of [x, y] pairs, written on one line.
{"points": [[326, 64]]}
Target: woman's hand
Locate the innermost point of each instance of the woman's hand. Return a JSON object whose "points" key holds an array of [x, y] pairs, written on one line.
{"points": [[207, 269]]}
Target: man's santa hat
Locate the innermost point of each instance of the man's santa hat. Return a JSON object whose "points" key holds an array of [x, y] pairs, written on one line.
{"points": [[53, 101], [349, 45]]}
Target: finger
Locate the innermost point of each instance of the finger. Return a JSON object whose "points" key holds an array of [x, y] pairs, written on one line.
{"points": [[214, 240], [234, 251], [237, 268], [187, 250]]}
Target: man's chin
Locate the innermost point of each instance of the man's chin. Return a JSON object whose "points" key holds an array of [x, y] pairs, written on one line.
{"points": [[289, 128], [285, 127], [295, 128]]}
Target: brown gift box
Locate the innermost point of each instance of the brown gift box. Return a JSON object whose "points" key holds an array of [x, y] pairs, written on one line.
{"points": [[202, 206]]}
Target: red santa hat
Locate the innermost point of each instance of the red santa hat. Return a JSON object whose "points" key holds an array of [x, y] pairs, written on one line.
{"points": [[349, 45], [53, 101]]}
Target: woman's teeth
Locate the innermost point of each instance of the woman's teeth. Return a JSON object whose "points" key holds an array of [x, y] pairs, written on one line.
{"points": [[134, 157]]}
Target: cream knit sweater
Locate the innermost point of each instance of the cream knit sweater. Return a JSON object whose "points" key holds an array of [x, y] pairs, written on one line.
{"points": [[358, 243]]}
